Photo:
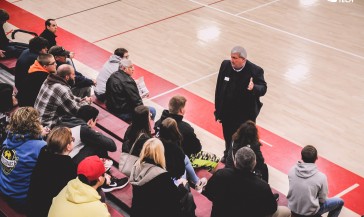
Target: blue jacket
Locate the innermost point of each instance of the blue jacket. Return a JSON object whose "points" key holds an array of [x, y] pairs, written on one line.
{"points": [[19, 154]]}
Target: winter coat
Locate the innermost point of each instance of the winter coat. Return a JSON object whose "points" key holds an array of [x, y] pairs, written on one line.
{"points": [[50, 36], [122, 95], [190, 143], [236, 192]]}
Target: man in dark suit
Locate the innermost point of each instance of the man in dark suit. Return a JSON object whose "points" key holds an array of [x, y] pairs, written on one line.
{"points": [[240, 84]]}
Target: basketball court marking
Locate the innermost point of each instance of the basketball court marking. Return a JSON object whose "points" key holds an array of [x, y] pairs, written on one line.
{"points": [[260, 6], [281, 31]]}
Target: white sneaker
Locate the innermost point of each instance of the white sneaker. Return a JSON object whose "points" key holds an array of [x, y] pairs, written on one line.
{"points": [[200, 184]]}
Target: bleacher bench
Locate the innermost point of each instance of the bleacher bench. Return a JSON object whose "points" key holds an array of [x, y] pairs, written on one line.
{"points": [[8, 64], [6, 210]]}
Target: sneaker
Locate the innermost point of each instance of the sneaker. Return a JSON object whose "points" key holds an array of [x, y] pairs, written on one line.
{"points": [[107, 163], [200, 184], [116, 184], [276, 196]]}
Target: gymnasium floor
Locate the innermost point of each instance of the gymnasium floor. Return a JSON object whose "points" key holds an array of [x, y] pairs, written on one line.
{"points": [[312, 52]]}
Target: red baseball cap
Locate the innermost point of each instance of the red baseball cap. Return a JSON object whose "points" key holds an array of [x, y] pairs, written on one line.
{"points": [[92, 167]]}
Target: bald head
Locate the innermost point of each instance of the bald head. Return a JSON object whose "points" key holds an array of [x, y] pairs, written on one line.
{"points": [[65, 70]]}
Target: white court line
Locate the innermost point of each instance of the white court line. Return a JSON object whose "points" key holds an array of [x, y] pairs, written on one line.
{"points": [[262, 141], [347, 190], [180, 87], [260, 6], [282, 31]]}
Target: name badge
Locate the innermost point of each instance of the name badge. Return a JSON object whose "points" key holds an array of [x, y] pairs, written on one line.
{"points": [[226, 78]]}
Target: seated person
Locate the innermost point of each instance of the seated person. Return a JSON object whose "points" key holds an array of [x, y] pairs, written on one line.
{"points": [[55, 98], [238, 191], [38, 73], [88, 141], [54, 169], [37, 45], [19, 154], [149, 178], [49, 32], [122, 95], [308, 188], [111, 66], [80, 197], [8, 48], [7, 102], [247, 135], [138, 132], [82, 86]]}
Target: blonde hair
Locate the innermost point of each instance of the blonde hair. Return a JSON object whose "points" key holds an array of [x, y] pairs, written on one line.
{"points": [[153, 149], [25, 120]]}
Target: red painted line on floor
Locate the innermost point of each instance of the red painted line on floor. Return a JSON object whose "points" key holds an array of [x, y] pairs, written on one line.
{"points": [[282, 156], [167, 18]]}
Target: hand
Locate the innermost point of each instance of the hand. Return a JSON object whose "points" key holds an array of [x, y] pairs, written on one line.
{"points": [[45, 131], [72, 54], [2, 55], [181, 181], [251, 84], [87, 99]]}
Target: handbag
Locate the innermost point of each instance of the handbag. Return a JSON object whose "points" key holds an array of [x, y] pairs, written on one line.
{"points": [[127, 160]]}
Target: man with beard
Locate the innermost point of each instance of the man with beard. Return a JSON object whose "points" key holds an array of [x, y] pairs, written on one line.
{"points": [[55, 98], [82, 86]]}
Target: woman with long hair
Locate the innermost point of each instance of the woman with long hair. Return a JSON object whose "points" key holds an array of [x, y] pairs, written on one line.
{"points": [[139, 131], [177, 162], [54, 169], [154, 192], [247, 135], [19, 154]]}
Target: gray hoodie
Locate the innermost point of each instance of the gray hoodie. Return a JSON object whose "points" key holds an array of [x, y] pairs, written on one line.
{"points": [[144, 173], [307, 188], [111, 66]]}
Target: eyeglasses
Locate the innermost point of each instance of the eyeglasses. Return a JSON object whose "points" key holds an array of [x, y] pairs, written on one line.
{"points": [[73, 139], [49, 64]]}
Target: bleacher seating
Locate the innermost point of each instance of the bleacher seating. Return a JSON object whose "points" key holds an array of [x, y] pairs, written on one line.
{"points": [[6, 210], [108, 125], [8, 64]]}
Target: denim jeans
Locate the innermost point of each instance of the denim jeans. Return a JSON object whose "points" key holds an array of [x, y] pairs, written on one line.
{"points": [[191, 175], [128, 117], [331, 205]]}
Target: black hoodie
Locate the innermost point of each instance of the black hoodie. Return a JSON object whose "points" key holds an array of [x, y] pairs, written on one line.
{"points": [[95, 142]]}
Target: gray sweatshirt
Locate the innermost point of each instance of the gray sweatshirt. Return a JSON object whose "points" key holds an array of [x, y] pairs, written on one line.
{"points": [[307, 188], [111, 66]]}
